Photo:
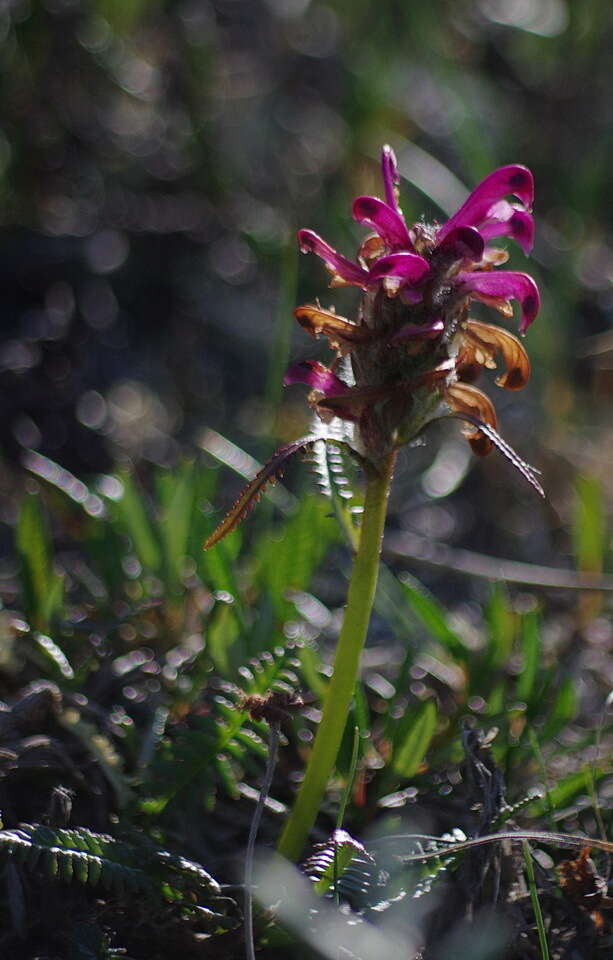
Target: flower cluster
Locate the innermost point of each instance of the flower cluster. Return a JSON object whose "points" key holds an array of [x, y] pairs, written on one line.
{"points": [[413, 352]]}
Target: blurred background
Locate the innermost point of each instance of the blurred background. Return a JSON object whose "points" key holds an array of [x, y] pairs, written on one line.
{"points": [[156, 160]]}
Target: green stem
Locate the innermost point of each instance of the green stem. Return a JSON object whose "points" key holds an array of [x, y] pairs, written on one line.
{"points": [[351, 641]]}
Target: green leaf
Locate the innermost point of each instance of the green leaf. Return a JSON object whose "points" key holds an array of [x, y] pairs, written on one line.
{"points": [[310, 663], [589, 525], [563, 710], [433, 616], [177, 506], [42, 587], [131, 512], [501, 624], [531, 651], [217, 565], [345, 849], [222, 635], [288, 560], [565, 791], [226, 776], [123, 15], [417, 731]]}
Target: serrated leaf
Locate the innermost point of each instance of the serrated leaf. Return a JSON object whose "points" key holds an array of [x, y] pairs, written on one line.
{"points": [[247, 500]]}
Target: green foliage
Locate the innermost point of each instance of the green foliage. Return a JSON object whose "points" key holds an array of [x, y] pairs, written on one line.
{"points": [[42, 586], [211, 751], [341, 866], [412, 739], [181, 753], [433, 616], [288, 559], [589, 527], [121, 869]]}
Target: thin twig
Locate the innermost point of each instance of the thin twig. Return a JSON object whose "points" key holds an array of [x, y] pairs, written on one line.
{"points": [[273, 747], [515, 836]]}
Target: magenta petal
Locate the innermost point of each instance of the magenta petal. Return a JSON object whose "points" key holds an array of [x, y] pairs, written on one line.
{"points": [[412, 331], [389, 171], [519, 225], [383, 218], [507, 285], [513, 179], [311, 242], [463, 243], [408, 266], [315, 375]]}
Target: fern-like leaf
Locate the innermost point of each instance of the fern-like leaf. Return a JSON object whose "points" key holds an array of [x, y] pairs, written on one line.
{"points": [[344, 866], [269, 474], [99, 860]]}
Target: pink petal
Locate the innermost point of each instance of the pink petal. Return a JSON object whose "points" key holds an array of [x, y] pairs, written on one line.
{"points": [[412, 331], [407, 266], [463, 243], [518, 224], [311, 242], [383, 218], [391, 179], [315, 375], [505, 284], [513, 179]]}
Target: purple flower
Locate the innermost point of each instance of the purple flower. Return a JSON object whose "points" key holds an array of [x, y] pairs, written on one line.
{"points": [[317, 376], [411, 352], [412, 340]]}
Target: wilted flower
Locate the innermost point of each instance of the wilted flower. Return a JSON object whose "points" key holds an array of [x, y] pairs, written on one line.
{"points": [[412, 351]]}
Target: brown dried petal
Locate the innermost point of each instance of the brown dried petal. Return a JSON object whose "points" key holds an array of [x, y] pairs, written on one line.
{"points": [[481, 343], [503, 306], [493, 256], [370, 250], [464, 398], [580, 881], [342, 334]]}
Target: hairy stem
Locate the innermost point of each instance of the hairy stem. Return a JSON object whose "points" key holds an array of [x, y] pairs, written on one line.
{"points": [[351, 641]]}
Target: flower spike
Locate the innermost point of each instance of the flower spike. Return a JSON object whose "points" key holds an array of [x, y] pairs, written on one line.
{"points": [[411, 351]]}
